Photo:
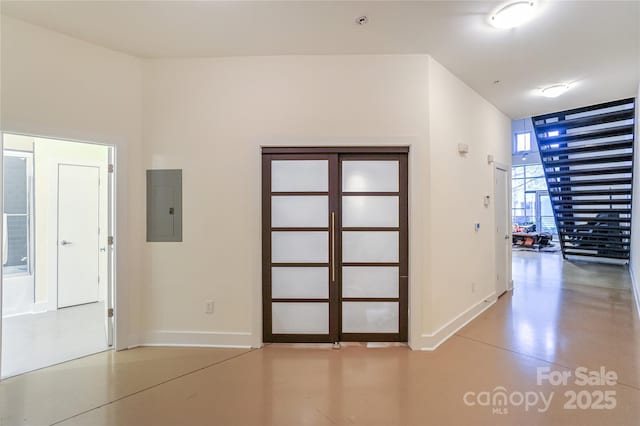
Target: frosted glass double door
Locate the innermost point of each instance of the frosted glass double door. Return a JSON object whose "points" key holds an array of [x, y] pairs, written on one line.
{"points": [[335, 247]]}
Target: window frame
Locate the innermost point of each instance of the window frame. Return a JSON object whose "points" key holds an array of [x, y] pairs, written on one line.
{"points": [[28, 156], [516, 149]]}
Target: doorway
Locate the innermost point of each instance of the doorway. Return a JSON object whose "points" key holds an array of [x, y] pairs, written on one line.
{"points": [[335, 244], [544, 214], [57, 258]]}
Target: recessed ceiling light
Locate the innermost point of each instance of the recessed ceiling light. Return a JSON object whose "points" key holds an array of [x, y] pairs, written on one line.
{"points": [[555, 90], [512, 14]]}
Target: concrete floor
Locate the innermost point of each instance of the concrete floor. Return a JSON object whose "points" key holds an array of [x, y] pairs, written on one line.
{"points": [[33, 341], [560, 316]]}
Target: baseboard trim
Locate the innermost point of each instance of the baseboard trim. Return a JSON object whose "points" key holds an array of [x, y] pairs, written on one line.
{"points": [[205, 339], [431, 341], [635, 289], [40, 307]]}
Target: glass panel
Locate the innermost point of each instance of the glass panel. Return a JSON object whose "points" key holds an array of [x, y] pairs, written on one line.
{"points": [[17, 244], [535, 170], [523, 142], [16, 217], [300, 318], [518, 216], [370, 211], [530, 208], [308, 246], [300, 175], [517, 172], [517, 196], [299, 211], [370, 246], [370, 281], [536, 184], [370, 317], [370, 176], [300, 283], [545, 206], [15, 185]]}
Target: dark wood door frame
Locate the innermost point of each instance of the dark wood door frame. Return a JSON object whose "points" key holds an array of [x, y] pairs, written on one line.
{"points": [[334, 155]]}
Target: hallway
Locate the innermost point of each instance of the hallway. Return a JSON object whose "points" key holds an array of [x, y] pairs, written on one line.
{"points": [[561, 315]]}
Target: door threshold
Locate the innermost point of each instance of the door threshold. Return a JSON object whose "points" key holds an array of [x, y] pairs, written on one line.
{"points": [[340, 345], [327, 346], [79, 304], [375, 345]]}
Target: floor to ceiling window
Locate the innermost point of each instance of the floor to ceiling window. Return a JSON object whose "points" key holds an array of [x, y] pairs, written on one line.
{"points": [[531, 204]]}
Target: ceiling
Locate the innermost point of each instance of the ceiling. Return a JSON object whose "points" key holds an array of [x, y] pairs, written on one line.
{"points": [[593, 44]]}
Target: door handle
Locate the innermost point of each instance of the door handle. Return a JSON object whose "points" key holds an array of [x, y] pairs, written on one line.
{"points": [[506, 237], [333, 247], [65, 243]]}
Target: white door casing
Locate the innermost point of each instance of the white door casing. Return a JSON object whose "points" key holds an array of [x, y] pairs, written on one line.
{"points": [[108, 250], [502, 231]]}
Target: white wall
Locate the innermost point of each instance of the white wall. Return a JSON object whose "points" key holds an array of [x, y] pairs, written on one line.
{"points": [[56, 86], [634, 263], [210, 116], [461, 260]]}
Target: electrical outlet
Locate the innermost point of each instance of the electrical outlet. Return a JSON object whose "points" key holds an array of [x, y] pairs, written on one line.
{"points": [[208, 306]]}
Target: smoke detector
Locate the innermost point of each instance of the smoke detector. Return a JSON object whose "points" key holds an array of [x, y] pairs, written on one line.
{"points": [[362, 20]]}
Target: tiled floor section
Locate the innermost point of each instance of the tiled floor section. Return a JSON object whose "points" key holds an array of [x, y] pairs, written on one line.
{"points": [[558, 321]]}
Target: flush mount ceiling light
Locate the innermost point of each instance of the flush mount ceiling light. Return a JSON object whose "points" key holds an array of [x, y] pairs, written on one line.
{"points": [[513, 13], [555, 90]]}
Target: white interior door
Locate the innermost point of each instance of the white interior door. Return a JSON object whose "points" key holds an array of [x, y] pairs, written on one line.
{"points": [[78, 234], [503, 232]]}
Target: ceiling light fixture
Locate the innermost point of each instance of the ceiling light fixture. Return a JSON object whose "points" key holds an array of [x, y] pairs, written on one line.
{"points": [[555, 90], [513, 14]]}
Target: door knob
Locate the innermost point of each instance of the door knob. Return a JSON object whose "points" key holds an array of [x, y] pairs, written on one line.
{"points": [[65, 243], [506, 237]]}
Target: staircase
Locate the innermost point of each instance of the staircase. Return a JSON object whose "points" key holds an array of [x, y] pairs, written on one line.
{"points": [[587, 156]]}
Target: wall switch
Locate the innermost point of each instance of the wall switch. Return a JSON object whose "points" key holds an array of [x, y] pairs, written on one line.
{"points": [[208, 306], [473, 287]]}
